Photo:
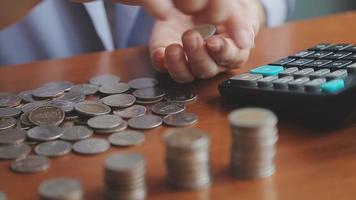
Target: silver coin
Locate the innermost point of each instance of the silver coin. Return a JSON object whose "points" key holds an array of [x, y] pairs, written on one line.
{"points": [[119, 100], [76, 133], [46, 116], [145, 122], [116, 88], [60, 85], [121, 127], [104, 79], [206, 30], [126, 138], [104, 122], [187, 138], [30, 106], [86, 89], [252, 118], [72, 96], [151, 93], [26, 96], [9, 100], [61, 188], [91, 108], [125, 162], [146, 102], [166, 108], [12, 136], [181, 96], [14, 151], [45, 133], [66, 106], [3, 196], [47, 92], [139, 83], [53, 148], [180, 119], [91, 146], [30, 164], [9, 112], [24, 119], [6, 123], [130, 112]]}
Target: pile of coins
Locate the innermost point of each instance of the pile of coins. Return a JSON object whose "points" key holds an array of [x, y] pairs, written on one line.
{"points": [[60, 117], [125, 176], [61, 188], [187, 158], [254, 137]]}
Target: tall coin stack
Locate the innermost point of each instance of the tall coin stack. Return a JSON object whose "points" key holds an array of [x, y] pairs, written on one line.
{"points": [[187, 158], [125, 177], [254, 137]]}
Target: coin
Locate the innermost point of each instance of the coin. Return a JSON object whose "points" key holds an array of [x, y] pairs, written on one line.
{"points": [[186, 138], [115, 88], [104, 122], [150, 93], [24, 119], [6, 123], [12, 136], [60, 85], [9, 112], [121, 127], [61, 188], [53, 148], [133, 111], [66, 106], [126, 138], [46, 116], [3, 196], [45, 133], [166, 108], [30, 106], [181, 96], [146, 102], [145, 122], [91, 146], [139, 83], [91, 108], [72, 96], [26, 96], [180, 119], [14, 151], [206, 30], [252, 117], [76, 133], [9, 100], [119, 100], [30, 164], [47, 92], [86, 89], [104, 79]]}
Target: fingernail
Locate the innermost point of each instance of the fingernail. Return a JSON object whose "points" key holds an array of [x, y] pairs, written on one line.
{"points": [[244, 39], [215, 44]]}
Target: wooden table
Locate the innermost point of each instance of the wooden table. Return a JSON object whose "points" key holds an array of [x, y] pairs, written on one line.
{"points": [[311, 165]]}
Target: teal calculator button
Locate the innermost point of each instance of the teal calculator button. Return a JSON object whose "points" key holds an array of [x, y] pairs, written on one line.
{"points": [[267, 70], [333, 86]]}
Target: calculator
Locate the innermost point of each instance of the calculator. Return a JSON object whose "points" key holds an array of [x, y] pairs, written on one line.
{"points": [[316, 86]]}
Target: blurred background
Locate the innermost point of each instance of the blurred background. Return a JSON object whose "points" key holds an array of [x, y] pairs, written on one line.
{"points": [[314, 8]]}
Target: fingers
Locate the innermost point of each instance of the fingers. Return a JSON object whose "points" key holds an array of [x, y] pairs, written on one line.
{"points": [[217, 11], [158, 8], [189, 6], [200, 63], [177, 65]]}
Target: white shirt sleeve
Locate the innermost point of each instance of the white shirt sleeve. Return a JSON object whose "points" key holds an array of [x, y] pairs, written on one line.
{"points": [[277, 11]]}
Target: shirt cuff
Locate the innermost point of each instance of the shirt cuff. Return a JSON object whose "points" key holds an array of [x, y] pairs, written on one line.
{"points": [[276, 11]]}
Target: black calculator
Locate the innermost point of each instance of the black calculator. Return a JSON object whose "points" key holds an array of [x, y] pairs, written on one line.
{"points": [[317, 86]]}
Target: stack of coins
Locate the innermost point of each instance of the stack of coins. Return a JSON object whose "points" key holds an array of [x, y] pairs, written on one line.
{"points": [[61, 188], [254, 136], [125, 177], [187, 158]]}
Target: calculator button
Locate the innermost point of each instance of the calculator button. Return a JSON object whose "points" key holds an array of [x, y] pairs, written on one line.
{"points": [[318, 63], [320, 47], [351, 49], [298, 84], [320, 54], [338, 55], [282, 83], [314, 85], [333, 86], [303, 72], [266, 81], [267, 70], [300, 62], [351, 57], [351, 68], [246, 79], [302, 54], [288, 71], [283, 61], [339, 47], [320, 73], [338, 74], [338, 64]]}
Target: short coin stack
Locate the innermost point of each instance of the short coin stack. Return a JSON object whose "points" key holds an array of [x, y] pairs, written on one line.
{"points": [[254, 136], [187, 158], [61, 188], [125, 177]]}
